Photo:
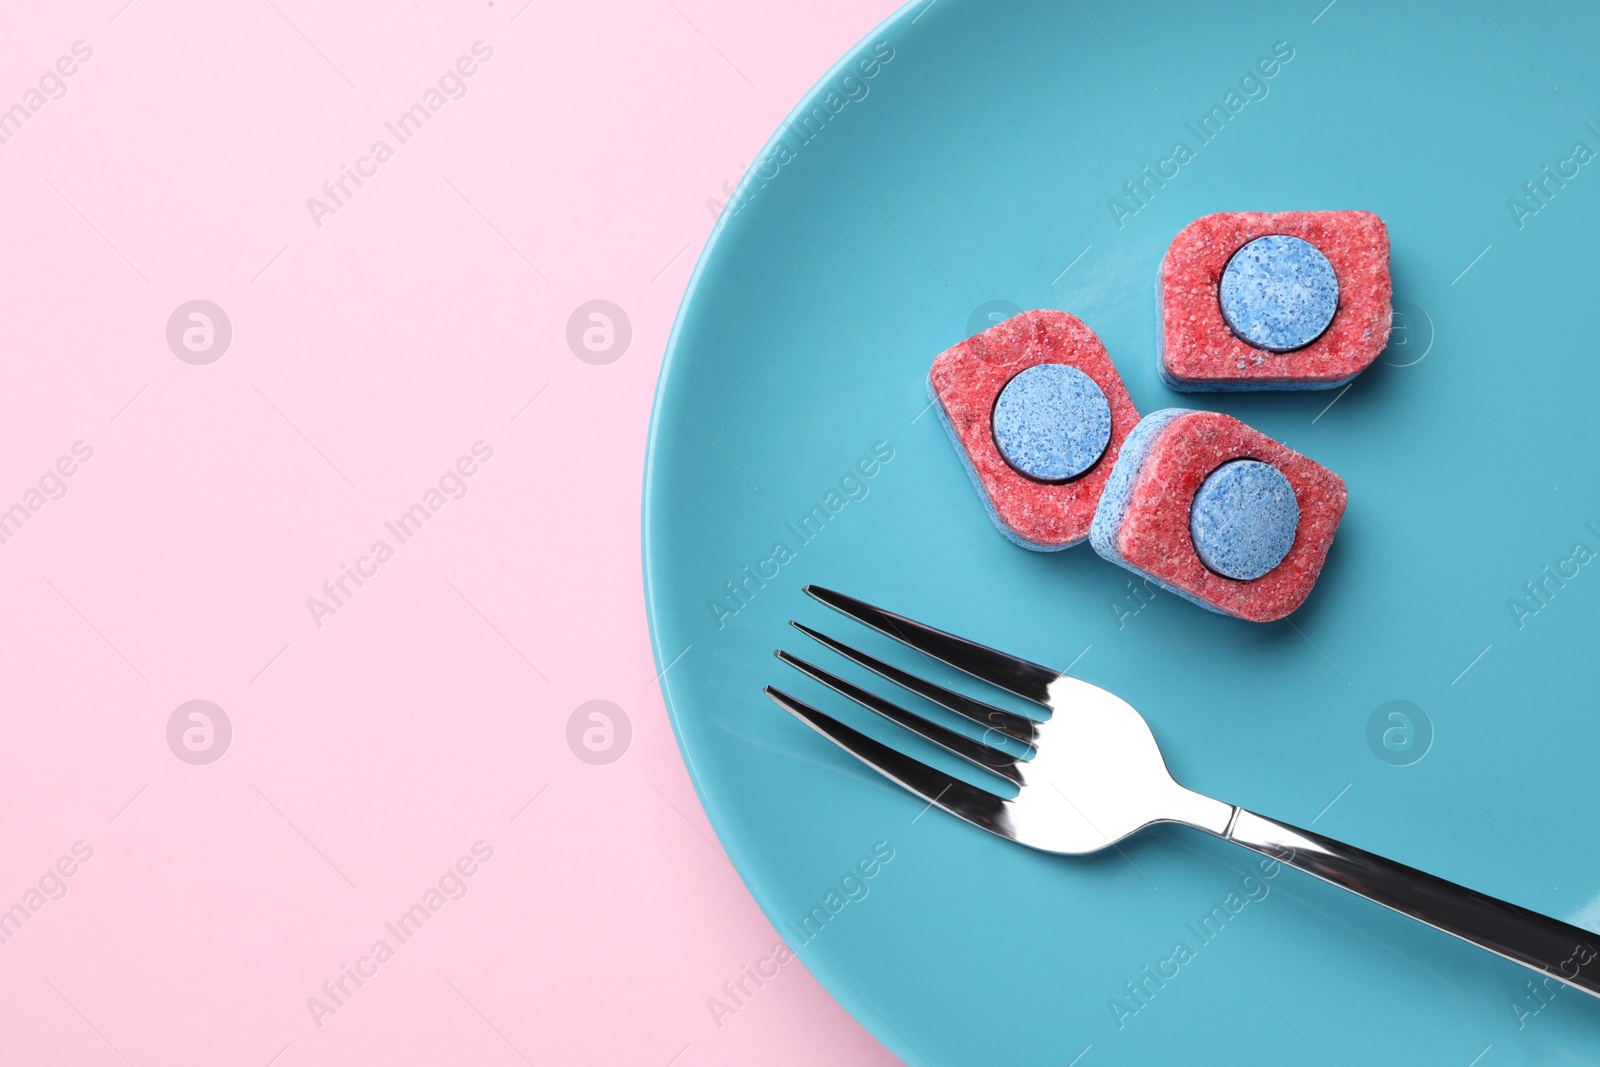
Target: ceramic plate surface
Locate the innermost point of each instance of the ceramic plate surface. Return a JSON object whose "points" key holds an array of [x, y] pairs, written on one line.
{"points": [[1435, 700]]}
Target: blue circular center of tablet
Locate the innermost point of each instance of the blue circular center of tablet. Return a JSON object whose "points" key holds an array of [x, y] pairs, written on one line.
{"points": [[1052, 422], [1279, 293], [1244, 519]]}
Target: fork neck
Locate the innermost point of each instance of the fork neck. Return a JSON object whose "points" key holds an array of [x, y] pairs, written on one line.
{"points": [[1202, 812]]}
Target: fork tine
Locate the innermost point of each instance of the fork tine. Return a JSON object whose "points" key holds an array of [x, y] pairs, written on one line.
{"points": [[1026, 679], [977, 806], [1009, 723], [985, 756]]}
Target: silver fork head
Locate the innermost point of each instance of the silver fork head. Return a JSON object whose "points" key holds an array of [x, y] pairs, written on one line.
{"points": [[1094, 776]]}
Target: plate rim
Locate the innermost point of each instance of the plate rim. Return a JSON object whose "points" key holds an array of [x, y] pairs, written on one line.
{"points": [[652, 593]]}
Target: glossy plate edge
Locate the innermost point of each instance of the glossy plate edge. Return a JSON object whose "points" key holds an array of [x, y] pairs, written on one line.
{"points": [[847, 998]]}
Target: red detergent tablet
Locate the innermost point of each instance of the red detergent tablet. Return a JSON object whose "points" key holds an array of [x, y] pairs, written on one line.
{"points": [[1219, 513], [1038, 413], [1273, 300]]}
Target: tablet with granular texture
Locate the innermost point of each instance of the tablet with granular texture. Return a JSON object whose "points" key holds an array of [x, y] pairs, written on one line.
{"points": [[1219, 514], [1273, 300], [1037, 413]]}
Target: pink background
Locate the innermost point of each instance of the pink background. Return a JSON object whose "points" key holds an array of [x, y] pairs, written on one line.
{"points": [[368, 353]]}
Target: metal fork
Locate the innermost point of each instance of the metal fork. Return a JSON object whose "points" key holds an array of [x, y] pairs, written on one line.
{"points": [[1096, 776]]}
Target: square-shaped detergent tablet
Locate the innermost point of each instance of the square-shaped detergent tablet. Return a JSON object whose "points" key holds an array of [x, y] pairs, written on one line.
{"points": [[1038, 413], [1219, 514], [1285, 300]]}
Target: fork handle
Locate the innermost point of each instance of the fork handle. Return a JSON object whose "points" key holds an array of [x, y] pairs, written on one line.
{"points": [[1538, 942]]}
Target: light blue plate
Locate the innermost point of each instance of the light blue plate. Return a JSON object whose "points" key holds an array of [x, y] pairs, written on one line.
{"points": [[974, 173]]}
